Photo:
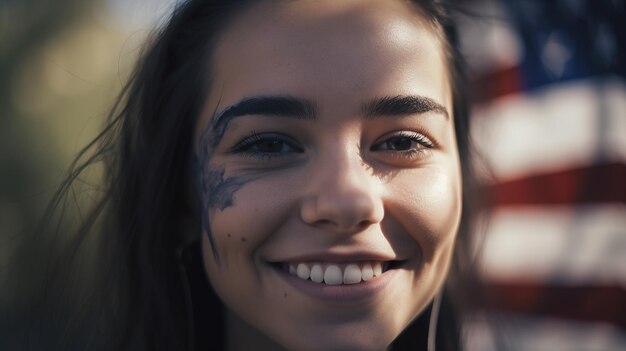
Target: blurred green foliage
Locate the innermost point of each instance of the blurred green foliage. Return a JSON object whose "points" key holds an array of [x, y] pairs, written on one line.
{"points": [[62, 63], [61, 66]]}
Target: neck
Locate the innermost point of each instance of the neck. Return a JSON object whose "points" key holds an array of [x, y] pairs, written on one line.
{"points": [[241, 336]]}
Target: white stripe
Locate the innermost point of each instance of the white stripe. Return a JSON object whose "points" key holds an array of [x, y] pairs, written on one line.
{"points": [[558, 245], [561, 126], [494, 332]]}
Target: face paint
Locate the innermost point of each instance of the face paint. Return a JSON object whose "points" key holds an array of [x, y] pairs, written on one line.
{"points": [[216, 191]]}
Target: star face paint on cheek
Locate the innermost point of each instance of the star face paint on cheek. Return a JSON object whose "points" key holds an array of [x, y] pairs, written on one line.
{"points": [[217, 194], [216, 190]]}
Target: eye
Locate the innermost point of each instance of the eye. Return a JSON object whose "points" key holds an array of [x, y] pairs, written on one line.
{"points": [[267, 145], [405, 144]]}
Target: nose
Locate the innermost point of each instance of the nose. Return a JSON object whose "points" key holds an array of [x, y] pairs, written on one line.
{"points": [[344, 196]]}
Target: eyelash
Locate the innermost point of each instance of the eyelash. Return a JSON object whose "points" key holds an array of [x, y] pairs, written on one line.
{"points": [[249, 146], [254, 140], [420, 144]]}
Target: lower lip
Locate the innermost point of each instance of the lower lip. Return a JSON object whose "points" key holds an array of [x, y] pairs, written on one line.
{"points": [[339, 293]]}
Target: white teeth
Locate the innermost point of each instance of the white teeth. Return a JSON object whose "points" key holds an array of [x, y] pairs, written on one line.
{"points": [[352, 274], [377, 268], [317, 274], [303, 271], [333, 275], [367, 272]]}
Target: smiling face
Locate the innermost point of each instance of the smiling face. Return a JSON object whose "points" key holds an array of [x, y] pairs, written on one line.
{"points": [[329, 170]]}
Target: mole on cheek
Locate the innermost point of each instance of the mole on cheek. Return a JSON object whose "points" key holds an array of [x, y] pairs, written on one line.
{"points": [[243, 239]]}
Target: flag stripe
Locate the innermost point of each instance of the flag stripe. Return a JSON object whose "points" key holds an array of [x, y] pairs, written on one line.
{"points": [[592, 303], [496, 84], [563, 245], [585, 185], [562, 126], [521, 332]]}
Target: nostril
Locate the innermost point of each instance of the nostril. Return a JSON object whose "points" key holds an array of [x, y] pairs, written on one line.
{"points": [[354, 226], [347, 211], [362, 225], [343, 226]]}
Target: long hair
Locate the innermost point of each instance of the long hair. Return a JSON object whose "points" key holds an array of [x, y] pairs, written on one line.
{"points": [[149, 288]]}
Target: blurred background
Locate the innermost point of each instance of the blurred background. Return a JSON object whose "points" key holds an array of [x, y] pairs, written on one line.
{"points": [[549, 118]]}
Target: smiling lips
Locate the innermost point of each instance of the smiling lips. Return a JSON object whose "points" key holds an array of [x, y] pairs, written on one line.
{"points": [[336, 274]]}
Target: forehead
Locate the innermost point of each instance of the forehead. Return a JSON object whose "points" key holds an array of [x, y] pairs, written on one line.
{"points": [[329, 49]]}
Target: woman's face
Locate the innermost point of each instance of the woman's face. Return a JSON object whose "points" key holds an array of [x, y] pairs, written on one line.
{"points": [[327, 153]]}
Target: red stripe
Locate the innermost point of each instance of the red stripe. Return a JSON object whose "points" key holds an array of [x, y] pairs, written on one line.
{"points": [[495, 84], [590, 185], [583, 303]]}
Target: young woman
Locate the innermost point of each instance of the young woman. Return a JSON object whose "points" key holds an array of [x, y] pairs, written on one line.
{"points": [[286, 175]]}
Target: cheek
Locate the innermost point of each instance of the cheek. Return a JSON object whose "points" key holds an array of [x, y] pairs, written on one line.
{"points": [[235, 235], [258, 210], [231, 284], [429, 208]]}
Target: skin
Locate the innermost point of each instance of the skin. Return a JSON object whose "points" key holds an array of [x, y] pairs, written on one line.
{"points": [[334, 182]]}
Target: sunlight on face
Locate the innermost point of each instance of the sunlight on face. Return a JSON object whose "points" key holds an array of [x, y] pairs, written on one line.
{"points": [[330, 172]]}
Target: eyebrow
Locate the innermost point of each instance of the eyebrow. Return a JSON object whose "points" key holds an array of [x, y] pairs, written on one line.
{"points": [[278, 105], [289, 106], [402, 105]]}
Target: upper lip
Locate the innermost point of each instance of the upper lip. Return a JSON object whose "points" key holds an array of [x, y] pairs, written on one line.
{"points": [[337, 257]]}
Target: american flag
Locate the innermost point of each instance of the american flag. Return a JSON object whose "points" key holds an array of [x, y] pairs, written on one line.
{"points": [[549, 117]]}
